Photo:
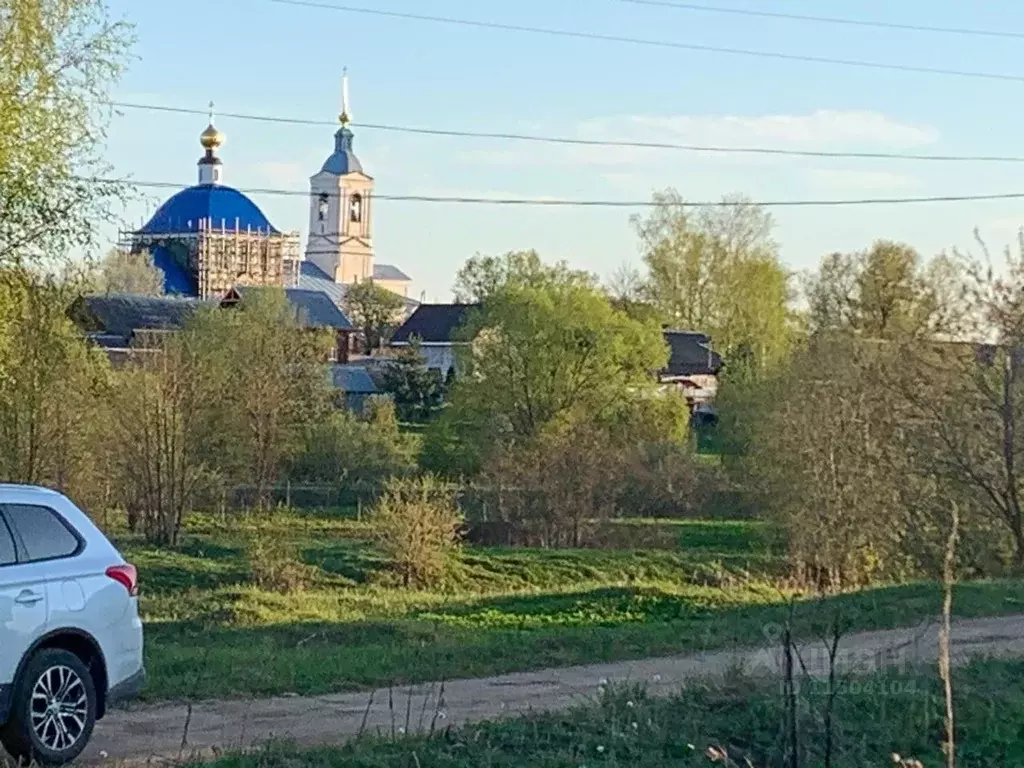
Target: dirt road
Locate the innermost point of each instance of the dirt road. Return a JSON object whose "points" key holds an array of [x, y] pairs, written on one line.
{"points": [[170, 731]]}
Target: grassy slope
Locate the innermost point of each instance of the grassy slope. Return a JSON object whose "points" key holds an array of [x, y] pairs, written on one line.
{"points": [[875, 717], [211, 634]]}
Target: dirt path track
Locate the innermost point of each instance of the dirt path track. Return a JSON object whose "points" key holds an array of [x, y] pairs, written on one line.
{"points": [[172, 731]]}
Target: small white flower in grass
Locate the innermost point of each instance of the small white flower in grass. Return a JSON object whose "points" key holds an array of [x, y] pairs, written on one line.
{"points": [[635, 726], [690, 746], [630, 704], [401, 730], [600, 748], [657, 678], [603, 681]]}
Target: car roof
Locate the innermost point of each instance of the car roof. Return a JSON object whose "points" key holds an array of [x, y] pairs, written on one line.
{"points": [[25, 488]]}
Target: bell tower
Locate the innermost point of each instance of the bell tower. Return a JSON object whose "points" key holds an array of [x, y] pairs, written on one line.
{"points": [[340, 238]]}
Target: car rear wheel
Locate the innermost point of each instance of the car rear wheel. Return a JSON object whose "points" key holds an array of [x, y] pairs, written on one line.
{"points": [[54, 709]]}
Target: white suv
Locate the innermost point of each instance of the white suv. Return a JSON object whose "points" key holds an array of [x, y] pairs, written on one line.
{"points": [[70, 634]]}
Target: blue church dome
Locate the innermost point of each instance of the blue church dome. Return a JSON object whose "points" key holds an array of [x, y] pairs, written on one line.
{"points": [[222, 205]]}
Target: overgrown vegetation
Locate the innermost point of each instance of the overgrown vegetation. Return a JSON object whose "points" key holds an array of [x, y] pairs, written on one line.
{"points": [[416, 524], [212, 632], [885, 719]]}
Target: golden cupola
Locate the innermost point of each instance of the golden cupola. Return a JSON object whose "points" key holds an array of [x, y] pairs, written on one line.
{"points": [[210, 171], [211, 138]]}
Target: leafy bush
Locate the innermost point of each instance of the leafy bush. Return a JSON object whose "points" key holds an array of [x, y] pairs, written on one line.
{"points": [[551, 489], [417, 523], [346, 450], [276, 563]]}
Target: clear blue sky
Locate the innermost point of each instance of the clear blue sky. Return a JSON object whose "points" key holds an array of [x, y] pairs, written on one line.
{"points": [[258, 57]]}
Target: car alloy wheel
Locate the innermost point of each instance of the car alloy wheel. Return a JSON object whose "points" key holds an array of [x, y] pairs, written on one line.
{"points": [[59, 708]]}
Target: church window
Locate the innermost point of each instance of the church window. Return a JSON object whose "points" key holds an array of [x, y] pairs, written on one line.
{"points": [[323, 206], [356, 208]]}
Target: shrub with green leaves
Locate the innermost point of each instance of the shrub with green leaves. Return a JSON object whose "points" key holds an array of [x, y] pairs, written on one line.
{"points": [[416, 522], [275, 562]]}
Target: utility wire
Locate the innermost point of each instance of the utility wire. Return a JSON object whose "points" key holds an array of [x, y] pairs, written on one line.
{"points": [[565, 140], [655, 43], [568, 203], [969, 31]]}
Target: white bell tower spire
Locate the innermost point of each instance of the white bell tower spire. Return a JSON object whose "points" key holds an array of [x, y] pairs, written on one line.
{"points": [[341, 208]]}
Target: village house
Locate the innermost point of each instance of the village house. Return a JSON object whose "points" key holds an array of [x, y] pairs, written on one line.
{"points": [[693, 367], [127, 327], [434, 328]]}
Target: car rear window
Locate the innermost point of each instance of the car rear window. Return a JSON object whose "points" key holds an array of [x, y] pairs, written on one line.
{"points": [[45, 535], [7, 554]]}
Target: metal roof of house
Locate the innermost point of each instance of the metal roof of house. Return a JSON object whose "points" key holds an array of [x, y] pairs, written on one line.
{"points": [[121, 314], [312, 278], [691, 354], [314, 309], [353, 380], [433, 323], [389, 272]]}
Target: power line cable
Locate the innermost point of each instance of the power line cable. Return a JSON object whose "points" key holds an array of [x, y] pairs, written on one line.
{"points": [[565, 140], [655, 43], [569, 203], [968, 31]]}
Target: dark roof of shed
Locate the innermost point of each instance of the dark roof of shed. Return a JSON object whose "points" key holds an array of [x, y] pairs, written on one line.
{"points": [[314, 309], [433, 323], [119, 314], [353, 380], [691, 354]]}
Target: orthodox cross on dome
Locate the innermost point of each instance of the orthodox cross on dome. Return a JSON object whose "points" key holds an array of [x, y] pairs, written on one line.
{"points": [[210, 165], [211, 138], [346, 116]]}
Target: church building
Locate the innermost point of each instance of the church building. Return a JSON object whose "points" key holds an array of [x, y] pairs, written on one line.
{"points": [[339, 246], [211, 238]]}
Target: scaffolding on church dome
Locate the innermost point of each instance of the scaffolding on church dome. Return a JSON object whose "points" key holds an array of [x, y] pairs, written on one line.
{"points": [[206, 260]]}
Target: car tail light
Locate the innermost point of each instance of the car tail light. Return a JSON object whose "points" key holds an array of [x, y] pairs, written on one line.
{"points": [[127, 576]]}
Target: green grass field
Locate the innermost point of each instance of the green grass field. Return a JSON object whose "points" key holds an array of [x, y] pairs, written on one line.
{"points": [[210, 633], [875, 717]]}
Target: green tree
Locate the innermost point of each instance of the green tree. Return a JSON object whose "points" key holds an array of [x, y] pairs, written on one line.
{"points": [[51, 386], [551, 487], [227, 400], [375, 310], [482, 276], [125, 272], [57, 63], [557, 353], [417, 392], [276, 386], [819, 457], [716, 269], [628, 292], [167, 447], [887, 293], [351, 452]]}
